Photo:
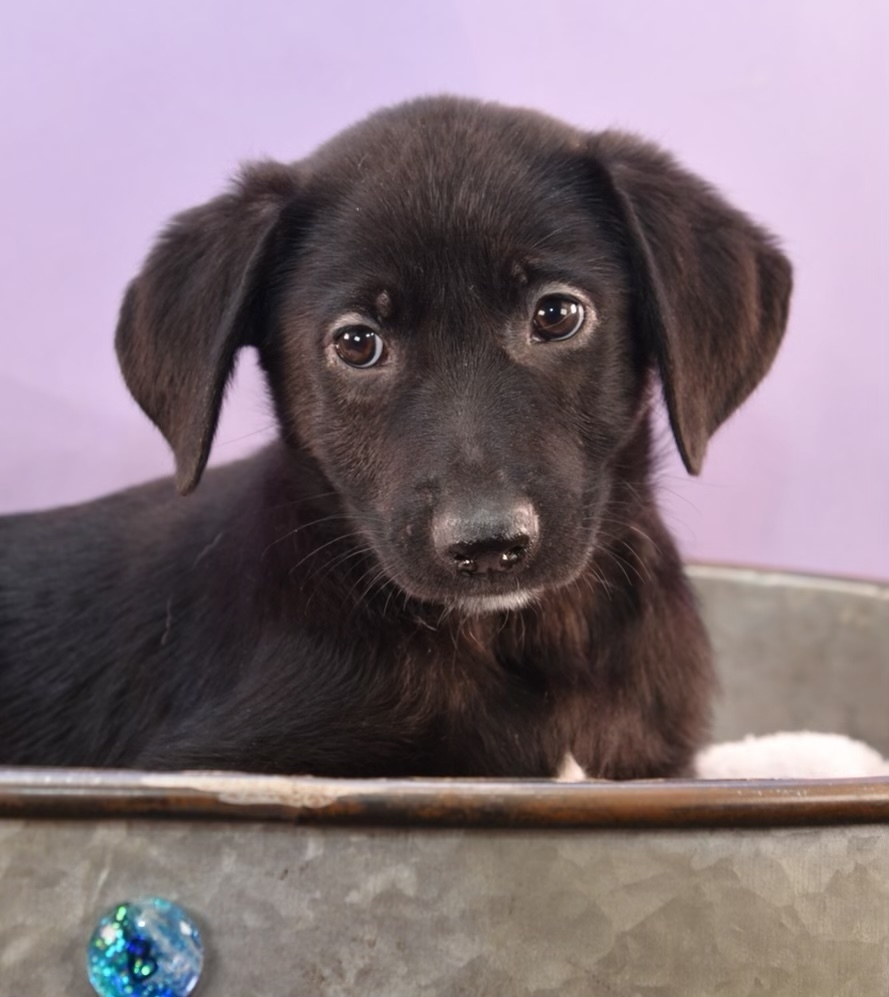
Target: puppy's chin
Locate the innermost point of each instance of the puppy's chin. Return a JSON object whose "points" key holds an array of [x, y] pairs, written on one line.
{"points": [[479, 605]]}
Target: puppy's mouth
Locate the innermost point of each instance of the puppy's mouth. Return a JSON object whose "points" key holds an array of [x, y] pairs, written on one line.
{"points": [[472, 598], [481, 596], [477, 605]]}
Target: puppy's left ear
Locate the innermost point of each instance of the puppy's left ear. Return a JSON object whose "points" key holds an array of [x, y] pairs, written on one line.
{"points": [[201, 295], [711, 289]]}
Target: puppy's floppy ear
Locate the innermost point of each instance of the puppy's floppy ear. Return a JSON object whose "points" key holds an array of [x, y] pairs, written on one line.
{"points": [[201, 295], [712, 289]]}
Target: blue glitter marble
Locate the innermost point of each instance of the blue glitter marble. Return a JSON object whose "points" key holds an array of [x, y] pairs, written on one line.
{"points": [[145, 948]]}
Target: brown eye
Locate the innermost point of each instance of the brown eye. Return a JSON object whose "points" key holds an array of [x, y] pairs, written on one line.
{"points": [[556, 317], [358, 346]]}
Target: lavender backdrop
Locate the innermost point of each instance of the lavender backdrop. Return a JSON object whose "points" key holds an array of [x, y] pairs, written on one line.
{"points": [[114, 115]]}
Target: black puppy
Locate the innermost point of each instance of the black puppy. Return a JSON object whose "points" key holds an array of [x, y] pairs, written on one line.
{"points": [[452, 562]]}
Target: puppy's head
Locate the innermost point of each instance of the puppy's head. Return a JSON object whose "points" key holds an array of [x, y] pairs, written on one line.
{"points": [[458, 306]]}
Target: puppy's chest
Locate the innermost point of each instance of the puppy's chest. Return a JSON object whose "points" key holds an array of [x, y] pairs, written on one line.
{"points": [[496, 708]]}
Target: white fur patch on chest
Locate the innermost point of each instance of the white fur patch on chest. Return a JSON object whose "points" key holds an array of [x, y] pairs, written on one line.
{"points": [[569, 770]]}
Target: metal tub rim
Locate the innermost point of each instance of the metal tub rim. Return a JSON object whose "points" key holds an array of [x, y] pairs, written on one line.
{"points": [[226, 796]]}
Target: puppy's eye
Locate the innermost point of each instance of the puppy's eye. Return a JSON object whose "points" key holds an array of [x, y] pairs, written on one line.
{"points": [[359, 346], [556, 317]]}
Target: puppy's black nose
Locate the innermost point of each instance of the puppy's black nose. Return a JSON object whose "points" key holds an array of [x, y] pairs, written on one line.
{"points": [[486, 540]]}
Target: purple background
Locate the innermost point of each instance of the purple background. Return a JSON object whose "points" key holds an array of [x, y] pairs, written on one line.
{"points": [[115, 115]]}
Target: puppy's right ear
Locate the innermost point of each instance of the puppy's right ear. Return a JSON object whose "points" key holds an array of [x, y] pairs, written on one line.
{"points": [[200, 296]]}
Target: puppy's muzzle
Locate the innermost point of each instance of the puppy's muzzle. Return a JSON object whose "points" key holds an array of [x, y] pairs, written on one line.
{"points": [[488, 538]]}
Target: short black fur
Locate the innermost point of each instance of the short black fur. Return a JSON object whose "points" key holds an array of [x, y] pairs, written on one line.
{"points": [[320, 607]]}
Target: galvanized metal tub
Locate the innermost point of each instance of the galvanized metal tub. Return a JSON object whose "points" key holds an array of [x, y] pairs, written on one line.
{"points": [[321, 887]]}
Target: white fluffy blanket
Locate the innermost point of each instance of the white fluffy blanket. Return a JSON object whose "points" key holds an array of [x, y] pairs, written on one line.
{"points": [[787, 755], [796, 755]]}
